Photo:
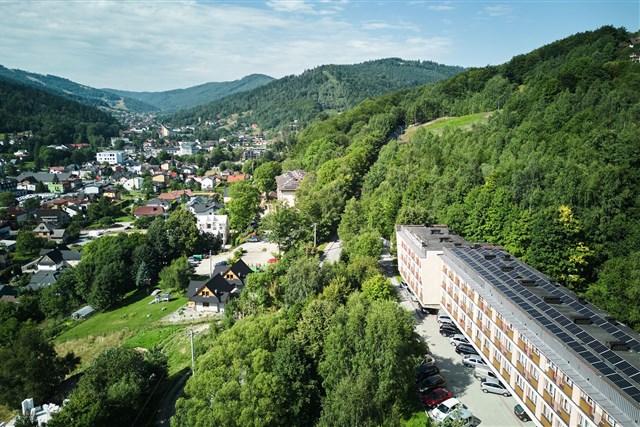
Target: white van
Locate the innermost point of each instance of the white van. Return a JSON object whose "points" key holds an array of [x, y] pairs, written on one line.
{"points": [[483, 372]]}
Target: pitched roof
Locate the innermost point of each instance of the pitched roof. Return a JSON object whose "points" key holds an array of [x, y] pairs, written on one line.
{"points": [[217, 285], [289, 181], [148, 211], [241, 269], [41, 279], [175, 195]]}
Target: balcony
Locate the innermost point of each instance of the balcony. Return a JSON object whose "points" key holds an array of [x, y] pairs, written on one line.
{"points": [[535, 357], [478, 342], [510, 333], [456, 298], [530, 404], [567, 389], [547, 397], [499, 323], [566, 418], [519, 391], [522, 345], [586, 407], [496, 364], [604, 423], [506, 376], [545, 422], [533, 382], [486, 351], [519, 367]]}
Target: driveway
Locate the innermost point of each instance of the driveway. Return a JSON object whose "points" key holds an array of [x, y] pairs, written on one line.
{"points": [[256, 253], [490, 410]]}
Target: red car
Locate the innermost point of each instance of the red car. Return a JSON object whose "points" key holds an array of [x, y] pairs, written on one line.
{"points": [[435, 397]]}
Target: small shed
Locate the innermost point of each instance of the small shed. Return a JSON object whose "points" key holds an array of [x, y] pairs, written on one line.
{"points": [[83, 313]]}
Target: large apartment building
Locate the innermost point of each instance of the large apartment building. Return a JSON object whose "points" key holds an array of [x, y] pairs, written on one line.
{"points": [[419, 251], [566, 362]]}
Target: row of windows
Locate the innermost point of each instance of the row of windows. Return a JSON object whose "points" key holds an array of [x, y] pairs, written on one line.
{"points": [[530, 367]]}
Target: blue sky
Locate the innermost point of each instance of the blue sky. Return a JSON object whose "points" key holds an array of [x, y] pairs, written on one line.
{"points": [[161, 45]]}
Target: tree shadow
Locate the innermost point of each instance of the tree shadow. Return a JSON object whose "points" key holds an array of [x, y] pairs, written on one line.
{"points": [[459, 377]]}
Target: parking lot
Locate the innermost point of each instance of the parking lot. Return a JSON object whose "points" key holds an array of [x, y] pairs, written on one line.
{"points": [[490, 410], [256, 253]]}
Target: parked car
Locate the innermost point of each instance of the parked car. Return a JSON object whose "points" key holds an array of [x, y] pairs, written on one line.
{"points": [[426, 371], [452, 409], [458, 339], [435, 397], [483, 372], [429, 383], [473, 360], [448, 330], [253, 239], [428, 360], [493, 385], [521, 413], [443, 318], [465, 349], [223, 262]]}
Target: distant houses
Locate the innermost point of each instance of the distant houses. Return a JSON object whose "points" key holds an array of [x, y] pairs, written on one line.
{"points": [[287, 185]]}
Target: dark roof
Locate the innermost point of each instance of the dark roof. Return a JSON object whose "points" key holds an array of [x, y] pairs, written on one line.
{"points": [[241, 269], [216, 285], [41, 279], [67, 254], [54, 256]]}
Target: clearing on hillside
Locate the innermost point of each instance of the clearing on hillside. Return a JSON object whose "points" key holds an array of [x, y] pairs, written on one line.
{"points": [[438, 125]]}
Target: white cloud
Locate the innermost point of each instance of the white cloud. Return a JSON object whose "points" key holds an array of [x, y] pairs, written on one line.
{"points": [[443, 7], [166, 45], [498, 10], [290, 6]]}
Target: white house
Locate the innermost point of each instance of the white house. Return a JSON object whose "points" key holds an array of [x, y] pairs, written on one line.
{"points": [[187, 148], [208, 221], [133, 183], [110, 157], [287, 184]]}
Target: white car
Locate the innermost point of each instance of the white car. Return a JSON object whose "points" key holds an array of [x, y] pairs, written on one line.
{"points": [[451, 409], [458, 339], [443, 318], [473, 360], [493, 385]]}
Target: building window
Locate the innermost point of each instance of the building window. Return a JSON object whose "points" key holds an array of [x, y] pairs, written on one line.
{"points": [[566, 406], [548, 414], [568, 381], [532, 395], [499, 335], [534, 374], [550, 388], [497, 356], [522, 359], [583, 421], [507, 368], [205, 304], [485, 343], [520, 382], [509, 346]]}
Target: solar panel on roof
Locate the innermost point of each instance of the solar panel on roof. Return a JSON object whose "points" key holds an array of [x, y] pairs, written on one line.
{"points": [[618, 379]]}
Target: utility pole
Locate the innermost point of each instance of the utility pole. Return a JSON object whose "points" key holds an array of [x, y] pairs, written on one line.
{"points": [[193, 362], [314, 234]]}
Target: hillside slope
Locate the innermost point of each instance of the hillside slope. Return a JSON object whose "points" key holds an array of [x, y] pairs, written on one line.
{"points": [[180, 99], [553, 174], [74, 91], [323, 90]]}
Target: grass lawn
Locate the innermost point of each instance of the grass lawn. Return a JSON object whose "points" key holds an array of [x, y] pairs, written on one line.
{"points": [[439, 125], [125, 218], [134, 313]]}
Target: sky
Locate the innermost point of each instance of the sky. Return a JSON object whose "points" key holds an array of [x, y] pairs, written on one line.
{"points": [[161, 44]]}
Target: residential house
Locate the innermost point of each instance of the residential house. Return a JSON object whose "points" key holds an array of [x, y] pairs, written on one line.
{"points": [[160, 179], [132, 183], [208, 220], [111, 192], [287, 184], [50, 232], [148, 211], [236, 177], [175, 195], [17, 214], [206, 182], [110, 157], [56, 217], [225, 283], [93, 189], [164, 204], [9, 184]]}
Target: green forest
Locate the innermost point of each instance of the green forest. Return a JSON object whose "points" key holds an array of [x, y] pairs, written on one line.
{"points": [[553, 174], [320, 92], [53, 121], [178, 99], [74, 91]]}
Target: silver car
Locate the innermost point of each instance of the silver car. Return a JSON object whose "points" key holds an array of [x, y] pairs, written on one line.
{"points": [[492, 385], [458, 339]]}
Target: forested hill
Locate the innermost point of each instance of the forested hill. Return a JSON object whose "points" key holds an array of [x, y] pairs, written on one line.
{"points": [[324, 90], [75, 91], [553, 174], [180, 99], [52, 119]]}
